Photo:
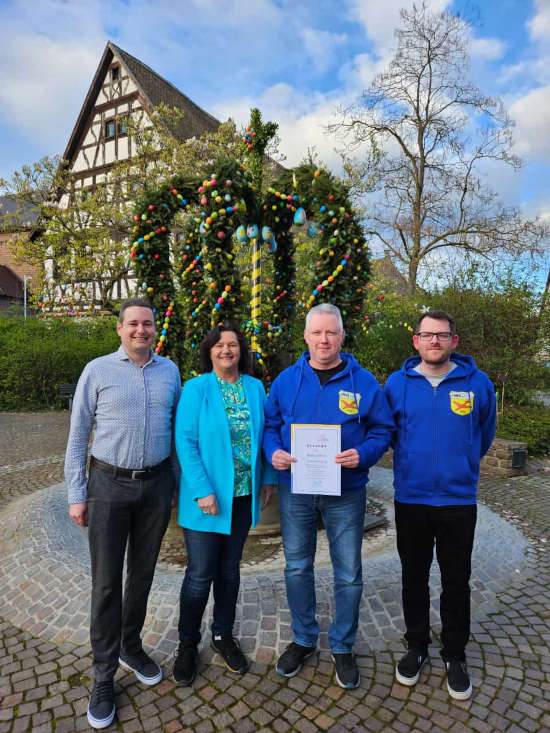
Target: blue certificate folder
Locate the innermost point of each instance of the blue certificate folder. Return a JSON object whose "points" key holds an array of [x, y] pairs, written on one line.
{"points": [[314, 447]]}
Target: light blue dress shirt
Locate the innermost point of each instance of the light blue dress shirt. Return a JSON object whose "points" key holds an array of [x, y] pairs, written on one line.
{"points": [[131, 410]]}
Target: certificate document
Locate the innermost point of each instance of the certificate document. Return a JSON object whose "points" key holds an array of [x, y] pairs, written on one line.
{"points": [[314, 448]]}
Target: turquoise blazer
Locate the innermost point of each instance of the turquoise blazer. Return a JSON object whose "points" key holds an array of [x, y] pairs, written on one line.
{"points": [[203, 444]]}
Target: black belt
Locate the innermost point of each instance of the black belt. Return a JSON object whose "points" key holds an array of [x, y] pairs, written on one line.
{"points": [[138, 473]]}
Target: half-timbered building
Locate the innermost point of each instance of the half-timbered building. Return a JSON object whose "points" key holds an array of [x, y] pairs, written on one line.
{"points": [[122, 87]]}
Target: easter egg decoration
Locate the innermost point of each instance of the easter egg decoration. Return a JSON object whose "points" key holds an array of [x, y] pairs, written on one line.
{"points": [[241, 233], [313, 229], [252, 231], [300, 217]]}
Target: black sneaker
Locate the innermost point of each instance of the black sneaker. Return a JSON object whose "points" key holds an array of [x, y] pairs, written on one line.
{"points": [[347, 674], [144, 668], [458, 680], [408, 669], [186, 664], [101, 708], [291, 660], [230, 651]]}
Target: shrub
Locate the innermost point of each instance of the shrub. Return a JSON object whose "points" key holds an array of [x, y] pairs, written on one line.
{"points": [[529, 424], [386, 339], [499, 323], [37, 356]]}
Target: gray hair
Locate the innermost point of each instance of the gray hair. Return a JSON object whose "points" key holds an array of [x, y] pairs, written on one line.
{"points": [[327, 309]]}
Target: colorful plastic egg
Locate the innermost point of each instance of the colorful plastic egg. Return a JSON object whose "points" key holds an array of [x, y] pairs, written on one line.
{"points": [[241, 233], [300, 217]]}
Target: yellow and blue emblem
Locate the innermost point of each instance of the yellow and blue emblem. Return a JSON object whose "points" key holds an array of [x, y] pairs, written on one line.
{"points": [[349, 403], [462, 403]]}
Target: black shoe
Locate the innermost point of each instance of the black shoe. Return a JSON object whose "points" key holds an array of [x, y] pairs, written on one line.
{"points": [[230, 651], [407, 671], [186, 664], [291, 660], [458, 680], [347, 674], [101, 708], [144, 668]]}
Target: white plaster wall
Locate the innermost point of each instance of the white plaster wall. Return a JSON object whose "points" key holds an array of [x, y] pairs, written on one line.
{"points": [[122, 148]]}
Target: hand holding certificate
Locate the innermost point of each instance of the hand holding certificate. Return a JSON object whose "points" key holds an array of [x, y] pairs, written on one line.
{"points": [[314, 447]]}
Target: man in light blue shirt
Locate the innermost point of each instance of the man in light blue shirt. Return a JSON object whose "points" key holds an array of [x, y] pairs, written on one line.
{"points": [[128, 399]]}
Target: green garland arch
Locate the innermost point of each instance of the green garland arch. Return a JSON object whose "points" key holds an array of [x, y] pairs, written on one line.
{"points": [[196, 283]]}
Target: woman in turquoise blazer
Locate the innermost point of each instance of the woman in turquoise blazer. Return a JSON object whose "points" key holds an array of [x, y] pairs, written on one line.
{"points": [[225, 480]]}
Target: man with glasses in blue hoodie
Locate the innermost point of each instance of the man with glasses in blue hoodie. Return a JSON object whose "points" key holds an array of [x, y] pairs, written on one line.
{"points": [[444, 409], [325, 386]]}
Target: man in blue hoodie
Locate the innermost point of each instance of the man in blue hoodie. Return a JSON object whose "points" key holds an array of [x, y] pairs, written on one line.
{"points": [[325, 386], [445, 412]]}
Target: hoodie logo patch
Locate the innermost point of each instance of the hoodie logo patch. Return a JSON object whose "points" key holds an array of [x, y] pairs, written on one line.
{"points": [[462, 403], [347, 403]]}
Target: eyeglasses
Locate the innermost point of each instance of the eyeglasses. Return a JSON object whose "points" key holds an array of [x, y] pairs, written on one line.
{"points": [[428, 335]]}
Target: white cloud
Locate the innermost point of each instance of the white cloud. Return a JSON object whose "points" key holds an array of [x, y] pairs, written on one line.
{"points": [[44, 90], [539, 25], [487, 48], [357, 74], [381, 18], [48, 55], [533, 68], [302, 119], [531, 114], [320, 46]]}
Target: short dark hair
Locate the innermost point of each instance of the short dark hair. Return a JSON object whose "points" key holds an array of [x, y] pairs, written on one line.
{"points": [[130, 303], [212, 338], [438, 316]]}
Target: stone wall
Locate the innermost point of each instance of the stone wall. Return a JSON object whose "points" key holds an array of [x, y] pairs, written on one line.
{"points": [[499, 459]]}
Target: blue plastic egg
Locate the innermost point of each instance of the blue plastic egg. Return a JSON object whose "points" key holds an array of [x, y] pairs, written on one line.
{"points": [[300, 217], [252, 231], [241, 233]]}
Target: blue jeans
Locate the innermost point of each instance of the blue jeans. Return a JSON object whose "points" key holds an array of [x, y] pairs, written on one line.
{"points": [[343, 517], [213, 559]]}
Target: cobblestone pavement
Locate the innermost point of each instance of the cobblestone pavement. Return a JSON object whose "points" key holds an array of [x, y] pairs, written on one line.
{"points": [[45, 662]]}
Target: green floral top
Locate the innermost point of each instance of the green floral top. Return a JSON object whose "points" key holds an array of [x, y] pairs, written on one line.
{"points": [[238, 414]]}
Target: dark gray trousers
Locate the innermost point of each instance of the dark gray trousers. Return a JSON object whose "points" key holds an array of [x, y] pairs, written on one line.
{"points": [[123, 515]]}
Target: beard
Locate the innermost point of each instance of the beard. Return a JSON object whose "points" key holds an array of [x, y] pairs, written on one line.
{"points": [[436, 357]]}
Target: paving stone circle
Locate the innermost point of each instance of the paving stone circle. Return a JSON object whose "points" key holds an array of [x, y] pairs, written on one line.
{"points": [[45, 661]]}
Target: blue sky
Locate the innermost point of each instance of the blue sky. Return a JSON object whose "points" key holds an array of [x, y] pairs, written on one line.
{"points": [[297, 60]]}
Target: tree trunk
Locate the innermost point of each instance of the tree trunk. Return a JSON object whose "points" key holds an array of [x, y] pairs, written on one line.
{"points": [[413, 273]]}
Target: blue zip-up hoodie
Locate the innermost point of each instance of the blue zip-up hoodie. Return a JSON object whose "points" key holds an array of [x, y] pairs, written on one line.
{"points": [[442, 434], [351, 398]]}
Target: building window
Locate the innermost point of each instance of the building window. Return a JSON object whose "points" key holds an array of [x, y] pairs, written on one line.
{"points": [[115, 71], [109, 128], [122, 126]]}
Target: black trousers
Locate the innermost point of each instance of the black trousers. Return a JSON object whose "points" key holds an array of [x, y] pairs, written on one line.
{"points": [[123, 515], [451, 529]]}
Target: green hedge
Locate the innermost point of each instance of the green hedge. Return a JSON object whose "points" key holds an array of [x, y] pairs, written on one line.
{"points": [[530, 424], [37, 356], [500, 326]]}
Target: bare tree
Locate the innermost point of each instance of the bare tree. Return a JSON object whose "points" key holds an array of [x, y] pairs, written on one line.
{"points": [[425, 133]]}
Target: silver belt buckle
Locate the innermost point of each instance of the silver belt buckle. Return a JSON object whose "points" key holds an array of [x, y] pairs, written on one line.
{"points": [[135, 474]]}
